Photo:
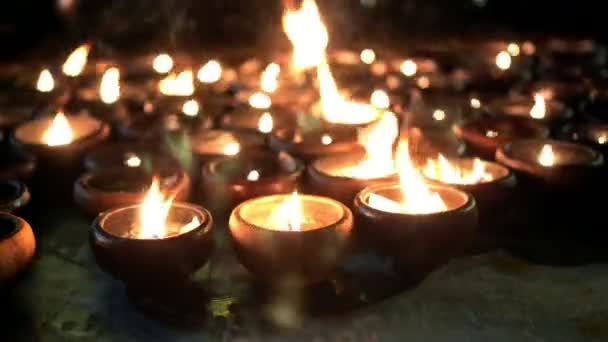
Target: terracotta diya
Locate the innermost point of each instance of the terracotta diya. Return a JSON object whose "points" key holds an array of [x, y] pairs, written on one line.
{"points": [[17, 247]]}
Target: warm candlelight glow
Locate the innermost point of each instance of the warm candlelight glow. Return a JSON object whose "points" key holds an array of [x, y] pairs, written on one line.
{"points": [[409, 68], [109, 89], [503, 60], [326, 139], [539, 109], [154, 213], [602, 139], [76, 61], [59, 133], [232, 148], [265, 123], [132, 160], [380, 99], [211, 72], [162, 63], [368, 56], [253, 176], [45, 83], [513, 49], [191, 108], [491, 134], [289, 215], [181, 84], [443, 170], [260, 101], [438, 115], [270, 78], [307, 33], [546, 156], [475, 103], [423, 82]]}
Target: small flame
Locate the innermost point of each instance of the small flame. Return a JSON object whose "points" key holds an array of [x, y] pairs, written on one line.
{"points": [[270, 78], [409, 68], [444, 171], [232, 149], [109, 89], [162, 63], [491, 133], [602, 139], [423, 82], [265, 123], [380, 99], [154, 213], [503, 60], [211, 72], [475, 103], [76, 61], [45, 83], [132, 160], [326, 139], [368, 56], [307, 33], [539, 109], [253, 176], [59, 133], [260, 101], [513, 49], [439, 115], [181, 84], [546, 156], [288, 215], [191, 108]]}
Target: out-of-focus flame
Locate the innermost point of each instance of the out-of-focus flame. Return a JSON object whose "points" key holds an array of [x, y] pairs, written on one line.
{"points": [[475, 103], [109, 89], [417, 197], [423, 82], [503, 60], [270, 78], [307, 33], [288, 215], [439, 115], [59, 133], [253, 176], [546, 156], [181, 84], [539, 110], [491, 133], [513, 49], [162, 63], [154, 212], [211, 72], [132, 160], [232, 149], [45, 82], [380, 99], [260, 101], [265, 123], [335, 108], [191, 108], [602, 139], [76, 61], [446, 172], [326, 139], [409, 68], [368, 56]]}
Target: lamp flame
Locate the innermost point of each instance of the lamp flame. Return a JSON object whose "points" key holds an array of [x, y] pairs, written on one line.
{"points": [[546, 156], [326, 139], [602, 139], [162, 63], [288, 215], [265, 123], [76, 61], [109, 89], [181, 84], [45, 82], [59, 133], [191, 108], [154, 213], [232, 149], [308, 34], [253, 176], [368, 56], [446, 172], [260, 101], [409, 68], [132, 160], [503, 60], [539, 109], [211, 72], [270, 78], [380, 99]]}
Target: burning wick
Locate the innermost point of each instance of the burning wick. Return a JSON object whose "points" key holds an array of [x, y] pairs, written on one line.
{"points": [[162, 63], [380, 99], [211, 72], [59, 133], [288, 215], [181, 84], [539, 109], [253, 176], [444, 171], [45, 83], [232, 149], [409, 68], [439, 115], [307, 33], [265, 123], [326, 139], [491, 134], [368, 56], [109, 89], [270, 78], [76, 61], [503, 60], [260, 101], [475, 103], [190, 108], [546, 156], [132, 160], [154, 213]]}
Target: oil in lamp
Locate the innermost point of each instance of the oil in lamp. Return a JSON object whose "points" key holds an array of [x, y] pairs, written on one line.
{"points": [[154, 247], [230, 181], [291, 240], [418, 225], [343, 176], [17, 247]]}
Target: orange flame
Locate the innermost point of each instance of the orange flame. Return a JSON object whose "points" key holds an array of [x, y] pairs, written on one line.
{"points": [[109, 89], [270, 78], [539, 110], [260, 101], [289, 215], [76, 61], [265, 123], [190, 108], [503, 60], [181, 84], [546, 156], [162, 63], [59, 133], [211, 72], [232, 148], [253, 176], [380, 99], [446, 172], [154, 213], [45, 82], [307, 33]]}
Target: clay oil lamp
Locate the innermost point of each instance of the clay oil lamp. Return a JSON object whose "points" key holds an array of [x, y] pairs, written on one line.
{"points": [[291, 240], [491, 184], [551, 112], [154, 247], [342, 176], [230, 181], [485, 134], [14, 195], [16, 164], [104, 189], [17, 247], [419, 226]]}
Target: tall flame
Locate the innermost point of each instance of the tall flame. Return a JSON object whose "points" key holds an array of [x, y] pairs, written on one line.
{"points": [[289, 215], [154, 213], [76, 61], [265, 123], [308, 34], [45, 82], [59, 133], [539, 110], [443, 170], [109, 89], [181, 84], [546, 156]]}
